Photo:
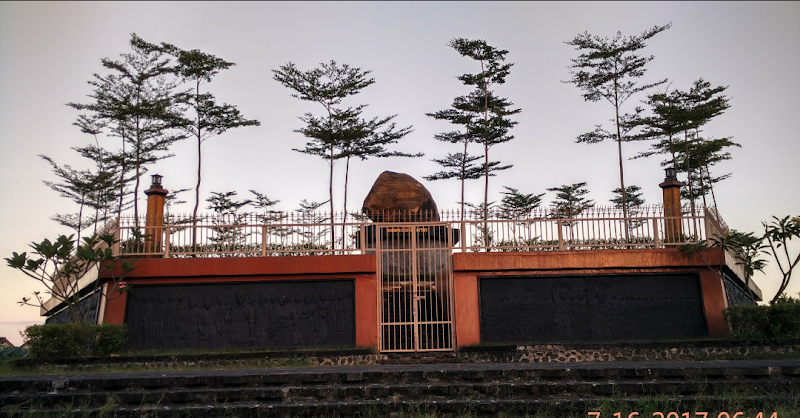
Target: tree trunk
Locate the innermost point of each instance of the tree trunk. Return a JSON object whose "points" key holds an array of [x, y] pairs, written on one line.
{"points": [[330, 177], [344, 219], [619, 152], [138, 165], [463, 177], [711, 185], [80, 219], [703, 189], [199, 166], [486, 160], [689, 180], [121, 182], [330, 194]]}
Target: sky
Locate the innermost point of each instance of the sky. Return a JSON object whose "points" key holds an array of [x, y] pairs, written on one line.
{"points": [[49, 50]]}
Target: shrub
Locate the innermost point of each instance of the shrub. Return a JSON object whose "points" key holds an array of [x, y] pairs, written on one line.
{"points": [[75, 340], [10, 353], [779, 320]]}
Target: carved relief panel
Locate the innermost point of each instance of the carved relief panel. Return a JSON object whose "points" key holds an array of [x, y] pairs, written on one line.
{"points": [[242, 315], [590, 308]]}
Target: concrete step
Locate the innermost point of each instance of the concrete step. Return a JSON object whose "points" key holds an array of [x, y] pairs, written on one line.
{"points": [[487, 407], [416, 373], [408, 392], [398, 386]]}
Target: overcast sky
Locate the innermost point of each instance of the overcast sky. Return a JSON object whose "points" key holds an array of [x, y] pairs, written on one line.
{"points": [[48, 51]]}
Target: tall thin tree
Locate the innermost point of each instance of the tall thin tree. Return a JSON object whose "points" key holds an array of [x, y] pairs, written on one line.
{"points": [[205, 118], [570, 203], [340, 132], [137, 101], [366, 139], [682, 113], [484, 115], [606, 69]]}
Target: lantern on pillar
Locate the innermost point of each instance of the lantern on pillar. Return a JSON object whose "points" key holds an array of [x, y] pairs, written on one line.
{"points": [[672, 206], [154, 222]]}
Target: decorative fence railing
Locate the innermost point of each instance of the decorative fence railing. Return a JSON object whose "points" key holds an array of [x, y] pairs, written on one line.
{"points": [[292, 234]]}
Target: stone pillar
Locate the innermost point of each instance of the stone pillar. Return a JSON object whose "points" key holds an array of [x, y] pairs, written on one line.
{"points": [[672, 206], [155, 215]]}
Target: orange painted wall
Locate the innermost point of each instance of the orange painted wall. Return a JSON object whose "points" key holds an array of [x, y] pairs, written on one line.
{"points": [[115, 307], [468, 266], [467, 309], [714, 301], [361, 268]]}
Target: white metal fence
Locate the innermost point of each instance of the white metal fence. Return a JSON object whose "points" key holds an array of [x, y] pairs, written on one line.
{"points": [[298, 234]]}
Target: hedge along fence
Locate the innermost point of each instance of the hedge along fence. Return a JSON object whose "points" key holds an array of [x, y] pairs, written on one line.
{"points": [[779, 320], [75, 340]]}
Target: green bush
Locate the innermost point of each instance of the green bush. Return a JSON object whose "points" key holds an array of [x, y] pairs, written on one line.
{"points": [[10, 353], [779, 320], [75, 340]]}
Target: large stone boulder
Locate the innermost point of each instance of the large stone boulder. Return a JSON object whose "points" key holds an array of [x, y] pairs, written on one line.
{"points": [[398, 197]]}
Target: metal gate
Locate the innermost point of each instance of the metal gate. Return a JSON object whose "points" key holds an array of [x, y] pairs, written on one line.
{"points": [[415, 287]]}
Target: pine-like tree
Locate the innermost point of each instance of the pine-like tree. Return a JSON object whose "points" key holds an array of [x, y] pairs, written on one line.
{"points": [[701, 154], [228, 236], [570, 203], [606, 69], [633, 203], [364, 139], [108, 170], [75, 185], [204, 118], [483, 115], [340, 132], [137, 104], [518, 205]]}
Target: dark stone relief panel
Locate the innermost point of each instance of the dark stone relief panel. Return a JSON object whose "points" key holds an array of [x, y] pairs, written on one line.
{"points": [[735, 294], [590, 308], [87, 307], [242, 315]]}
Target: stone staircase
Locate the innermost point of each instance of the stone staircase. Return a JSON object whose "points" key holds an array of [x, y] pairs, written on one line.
{"points": [[412, 389]]}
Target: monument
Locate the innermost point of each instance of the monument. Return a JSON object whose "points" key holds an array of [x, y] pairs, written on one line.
{"points": [[414, 263]]}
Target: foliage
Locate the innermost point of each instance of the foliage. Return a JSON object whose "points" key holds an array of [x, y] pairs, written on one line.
{"points": [[516, 205], [778, 320], [686, 112], [310, 216], [538, 244], [268, 215], [484, 236], [633, 200], [227, 234], [701, 154], [777, 234], [11, 353], [570, 202], [341, 132], [747, 249], [483, 115], [606, 69], [634, 197], [59, 266], [113, 172], [136, 101], [83, 187], [53, 341], [202, 117]]}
